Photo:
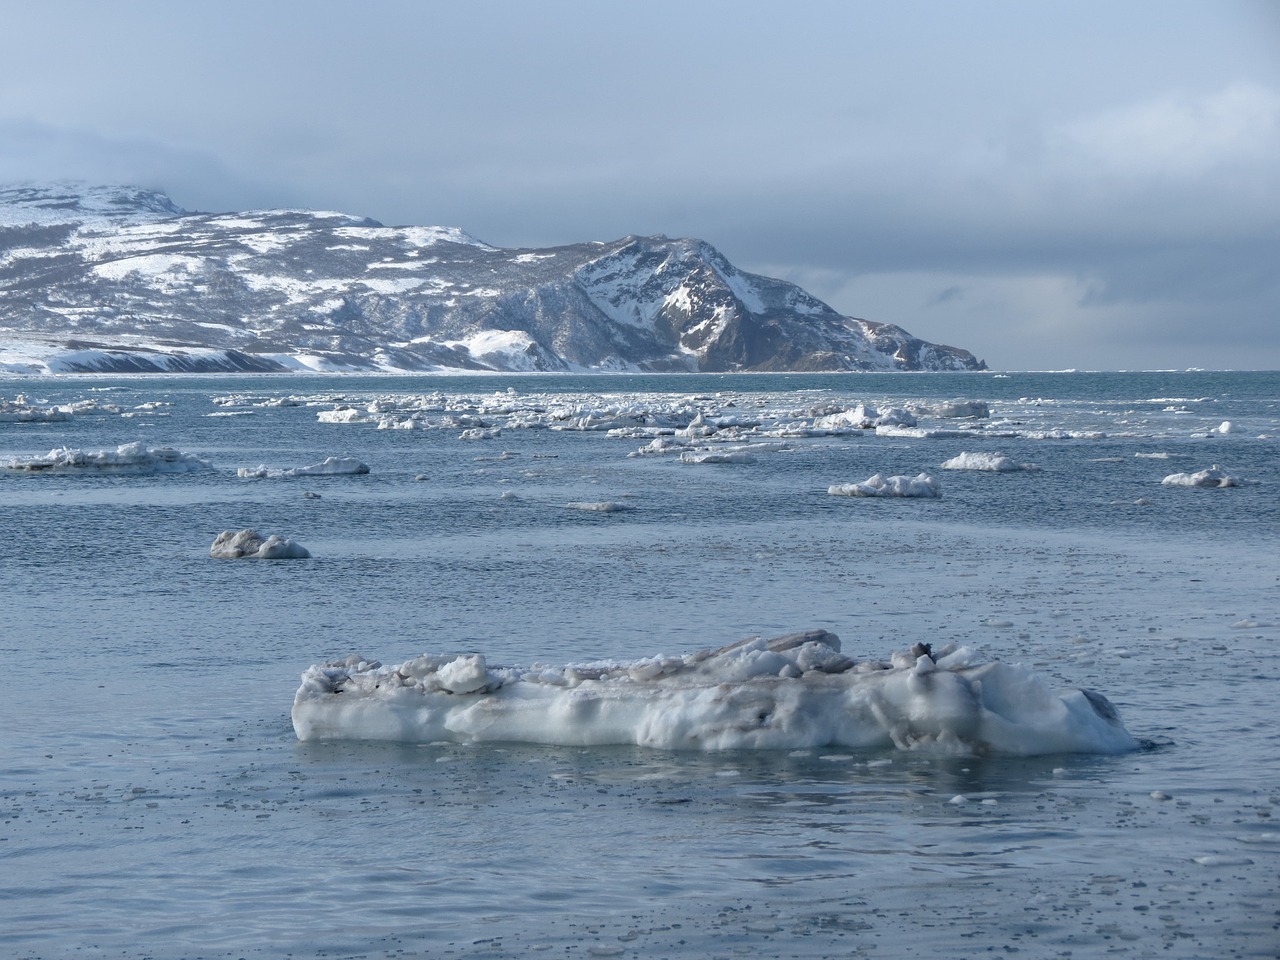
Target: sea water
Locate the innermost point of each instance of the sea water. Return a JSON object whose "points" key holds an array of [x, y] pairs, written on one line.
{"points": [[156, 802]]}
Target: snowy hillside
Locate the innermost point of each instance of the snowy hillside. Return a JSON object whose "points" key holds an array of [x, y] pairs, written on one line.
{"points": [[122, 279]]}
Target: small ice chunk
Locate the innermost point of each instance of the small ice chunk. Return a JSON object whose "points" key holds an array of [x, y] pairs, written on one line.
{"points": [[992, 462], [249, 544], [332, 467], [1215, 476], [598, 506]]}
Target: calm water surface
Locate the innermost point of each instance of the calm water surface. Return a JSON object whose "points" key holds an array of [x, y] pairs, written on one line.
{"points": [[157, 804]]}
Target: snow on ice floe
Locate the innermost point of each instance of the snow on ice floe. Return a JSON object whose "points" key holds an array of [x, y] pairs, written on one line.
{"points": [[797, 691], [1215, 476], [995, 462], [329, 467], [249, 544], [131, 458], [922, 485]]}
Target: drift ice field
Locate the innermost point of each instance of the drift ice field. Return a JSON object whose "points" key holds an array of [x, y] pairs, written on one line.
{"points": [[696, 666]]}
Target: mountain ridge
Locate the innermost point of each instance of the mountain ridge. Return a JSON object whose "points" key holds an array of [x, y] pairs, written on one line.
{"points": [[122, 279]]}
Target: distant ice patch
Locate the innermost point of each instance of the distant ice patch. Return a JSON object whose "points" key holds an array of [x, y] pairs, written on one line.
{"points": [[598, 506]]}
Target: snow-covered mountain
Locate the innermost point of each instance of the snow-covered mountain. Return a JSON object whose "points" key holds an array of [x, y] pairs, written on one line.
{"points": [[121, 279]]}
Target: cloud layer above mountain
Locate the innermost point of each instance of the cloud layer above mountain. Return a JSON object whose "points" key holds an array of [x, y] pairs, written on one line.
{"points": [[1051, 185]]}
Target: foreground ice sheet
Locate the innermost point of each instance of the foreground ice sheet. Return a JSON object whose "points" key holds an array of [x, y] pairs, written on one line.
{"points": [[792, 692]]}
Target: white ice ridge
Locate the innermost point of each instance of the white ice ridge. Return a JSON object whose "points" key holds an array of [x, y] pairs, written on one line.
{"points": [[796, 691], [129, 458], [249, 544]]}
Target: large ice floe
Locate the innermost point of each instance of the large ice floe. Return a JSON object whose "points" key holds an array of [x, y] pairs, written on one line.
{"points": [[134, 457], [251, 545], [796, 691]]}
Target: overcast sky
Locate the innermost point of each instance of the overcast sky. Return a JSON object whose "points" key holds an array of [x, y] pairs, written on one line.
{"points": [[1051, 185]]}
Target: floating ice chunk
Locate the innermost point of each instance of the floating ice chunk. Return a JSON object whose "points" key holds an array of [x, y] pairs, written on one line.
{"points": [[238, 544], [718, 456], [1222, 860], [1215, 476], [332, 467], [129, 458], [480, 433], [952, 409], [894, 417], [407, 423], [329, 467], [863, 417], [878, 485], [996, 462], [923, 433], [19, 410], [660, 446], [847, 421], [794, 692], [1227, 427], [698, 427], [343, 415]]}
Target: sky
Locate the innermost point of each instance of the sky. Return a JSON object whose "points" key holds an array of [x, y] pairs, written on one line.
{"points": [[1051, 185]]}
